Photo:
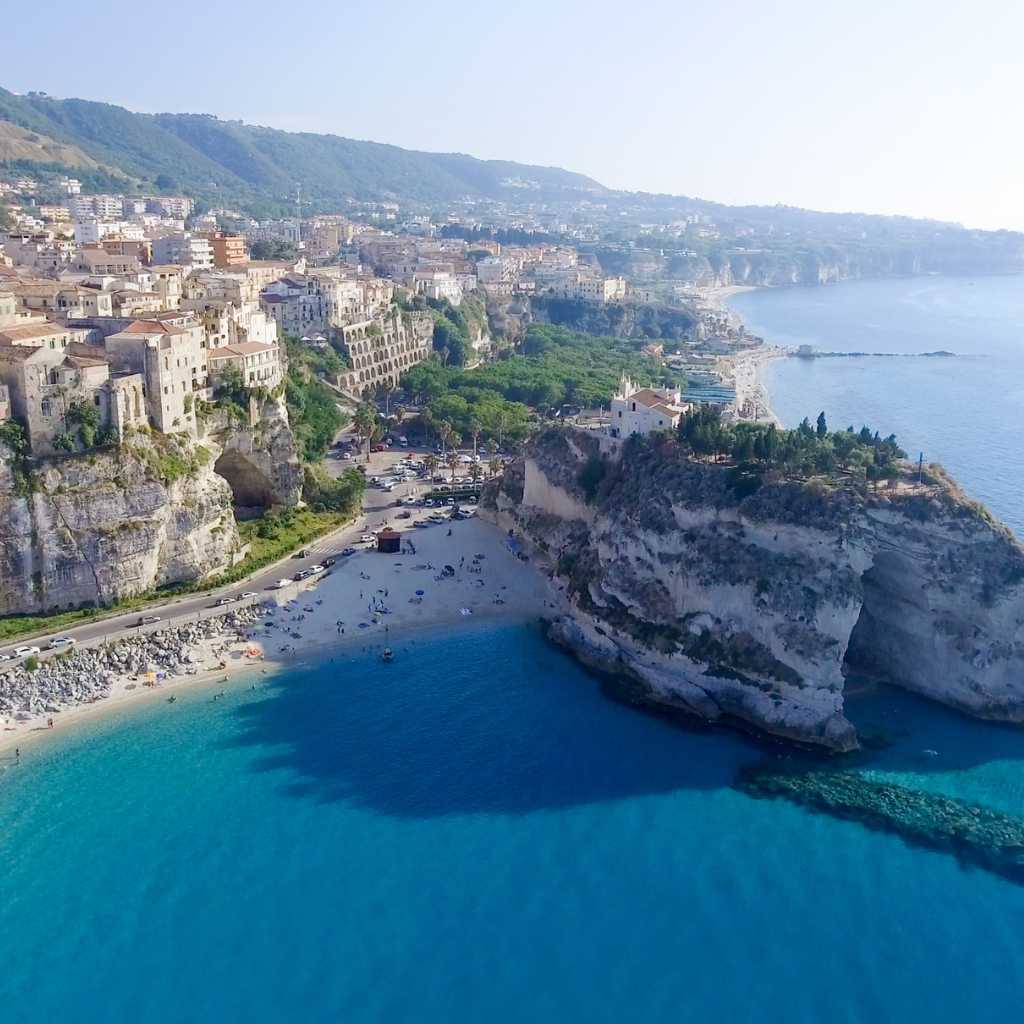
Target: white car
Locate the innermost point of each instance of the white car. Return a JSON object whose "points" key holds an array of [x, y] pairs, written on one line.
{"points": [[281, 584], [317, 568], [24, 652], [248, 595], [60, 641], [367, 538]]}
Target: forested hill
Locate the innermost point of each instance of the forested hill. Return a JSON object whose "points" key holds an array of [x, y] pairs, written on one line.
{"points": [[249, 165]]}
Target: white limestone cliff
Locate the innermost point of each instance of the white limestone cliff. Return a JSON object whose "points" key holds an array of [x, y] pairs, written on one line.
{"points": [[752, 610]]}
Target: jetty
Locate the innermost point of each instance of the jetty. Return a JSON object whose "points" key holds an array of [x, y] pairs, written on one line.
{"points": [[974, 834]]}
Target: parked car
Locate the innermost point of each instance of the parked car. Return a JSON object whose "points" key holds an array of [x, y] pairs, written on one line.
{"points": [[349, 551], [61, 641], [404, 515], [24, 652], [303, 574], [328, 562], [314, 569], [281, 584], [380, 448], [367, 538]]}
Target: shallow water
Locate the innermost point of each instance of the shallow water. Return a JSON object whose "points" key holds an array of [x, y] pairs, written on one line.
{"points": [[476, 833], [967, 413]]}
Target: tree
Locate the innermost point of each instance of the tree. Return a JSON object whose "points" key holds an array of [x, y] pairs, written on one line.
{"points": [[431, 464], [475, 428], [495, 466], [822, 427], [452, 462], [475, 471], [375, 434], [447, 434], [365, 421]]}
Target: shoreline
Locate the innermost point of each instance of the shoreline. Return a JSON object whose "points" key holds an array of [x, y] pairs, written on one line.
{"points": [[488, 585]]}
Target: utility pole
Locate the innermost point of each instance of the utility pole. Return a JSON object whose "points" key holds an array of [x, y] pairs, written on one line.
{"points": [[920, 468]]}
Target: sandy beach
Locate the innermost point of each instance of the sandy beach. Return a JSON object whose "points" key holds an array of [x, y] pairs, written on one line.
{"points": [[367, 601]]}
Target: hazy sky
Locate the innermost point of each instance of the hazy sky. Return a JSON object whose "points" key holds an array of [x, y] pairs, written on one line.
{"points": [[913, 107]]}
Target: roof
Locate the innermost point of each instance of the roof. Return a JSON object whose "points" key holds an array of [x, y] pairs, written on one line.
{"points": [[648, 397], [244, 348], [146, 327], [18, 353], [83, 361], [27, 332]]}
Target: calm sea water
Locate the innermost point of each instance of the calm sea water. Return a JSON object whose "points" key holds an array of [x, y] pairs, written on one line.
{"points": [[475, 833], [966, 413]]}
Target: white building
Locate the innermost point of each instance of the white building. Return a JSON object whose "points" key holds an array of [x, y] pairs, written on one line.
{"points": [[644, 410], [259, 364], [184, 249]]}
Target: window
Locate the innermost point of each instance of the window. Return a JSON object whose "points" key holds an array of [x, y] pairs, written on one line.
{"points": [[95, 399], [45, 407]]}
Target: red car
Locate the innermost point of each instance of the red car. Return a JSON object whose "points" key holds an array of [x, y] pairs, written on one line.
{"points": [[380, 447]]}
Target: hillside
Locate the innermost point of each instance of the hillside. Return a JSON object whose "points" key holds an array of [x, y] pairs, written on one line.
{"points": [[256, 167]]}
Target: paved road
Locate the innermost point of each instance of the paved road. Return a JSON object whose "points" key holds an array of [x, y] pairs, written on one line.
{"points": [[378, 509]]}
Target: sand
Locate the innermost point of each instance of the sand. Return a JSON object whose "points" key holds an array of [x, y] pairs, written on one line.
{"points": [[335, 613]]}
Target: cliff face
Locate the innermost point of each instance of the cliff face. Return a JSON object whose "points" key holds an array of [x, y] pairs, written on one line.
{"points": [[112, 524], [260, 461], [827, 266], [754, 609]]}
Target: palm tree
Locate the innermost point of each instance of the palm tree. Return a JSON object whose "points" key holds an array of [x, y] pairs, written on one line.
{"points": [[364, 421], [475, 428], [446, 433], [475, 471], [375, 434], [431, 464], [495, 465], [452, 463]]}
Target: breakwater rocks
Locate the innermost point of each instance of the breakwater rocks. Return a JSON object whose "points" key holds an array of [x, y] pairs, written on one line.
{"points": [[973, 834], [85, 675]]}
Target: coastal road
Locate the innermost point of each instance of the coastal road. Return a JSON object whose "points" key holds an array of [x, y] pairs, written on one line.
{"points": [[378, 510]]}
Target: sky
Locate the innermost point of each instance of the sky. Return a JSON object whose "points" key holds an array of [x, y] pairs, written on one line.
{"points": [[906, 107]]}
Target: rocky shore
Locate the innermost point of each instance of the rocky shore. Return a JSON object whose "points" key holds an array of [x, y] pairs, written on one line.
{"points": [[86, 675]]}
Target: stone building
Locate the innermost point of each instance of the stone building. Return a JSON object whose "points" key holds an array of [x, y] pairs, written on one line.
{"points": [[45, 385], [173, 360], [380, 351]]}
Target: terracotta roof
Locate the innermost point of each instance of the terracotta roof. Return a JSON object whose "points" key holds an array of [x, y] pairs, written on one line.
{"points": [[649, 398], [26, 332], [145, 327]]}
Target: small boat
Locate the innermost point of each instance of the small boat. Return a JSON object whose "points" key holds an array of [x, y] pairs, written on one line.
{"points": [[171, 699], [387, 654]]}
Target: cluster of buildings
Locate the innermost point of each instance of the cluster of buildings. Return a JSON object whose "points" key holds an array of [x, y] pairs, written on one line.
{"points": [[109, 307]]}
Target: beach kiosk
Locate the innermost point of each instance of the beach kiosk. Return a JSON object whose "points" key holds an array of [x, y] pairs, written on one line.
{"points": [[389, 542]]}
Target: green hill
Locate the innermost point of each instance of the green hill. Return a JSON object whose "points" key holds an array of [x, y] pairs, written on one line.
{"points": [[257, 168]]}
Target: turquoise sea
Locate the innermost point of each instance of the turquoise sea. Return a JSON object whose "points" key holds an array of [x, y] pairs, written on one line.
{"points": [[477, 833], [967, 413]]}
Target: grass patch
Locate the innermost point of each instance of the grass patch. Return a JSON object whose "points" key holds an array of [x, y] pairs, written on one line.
{"points": [[270, 539]]}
